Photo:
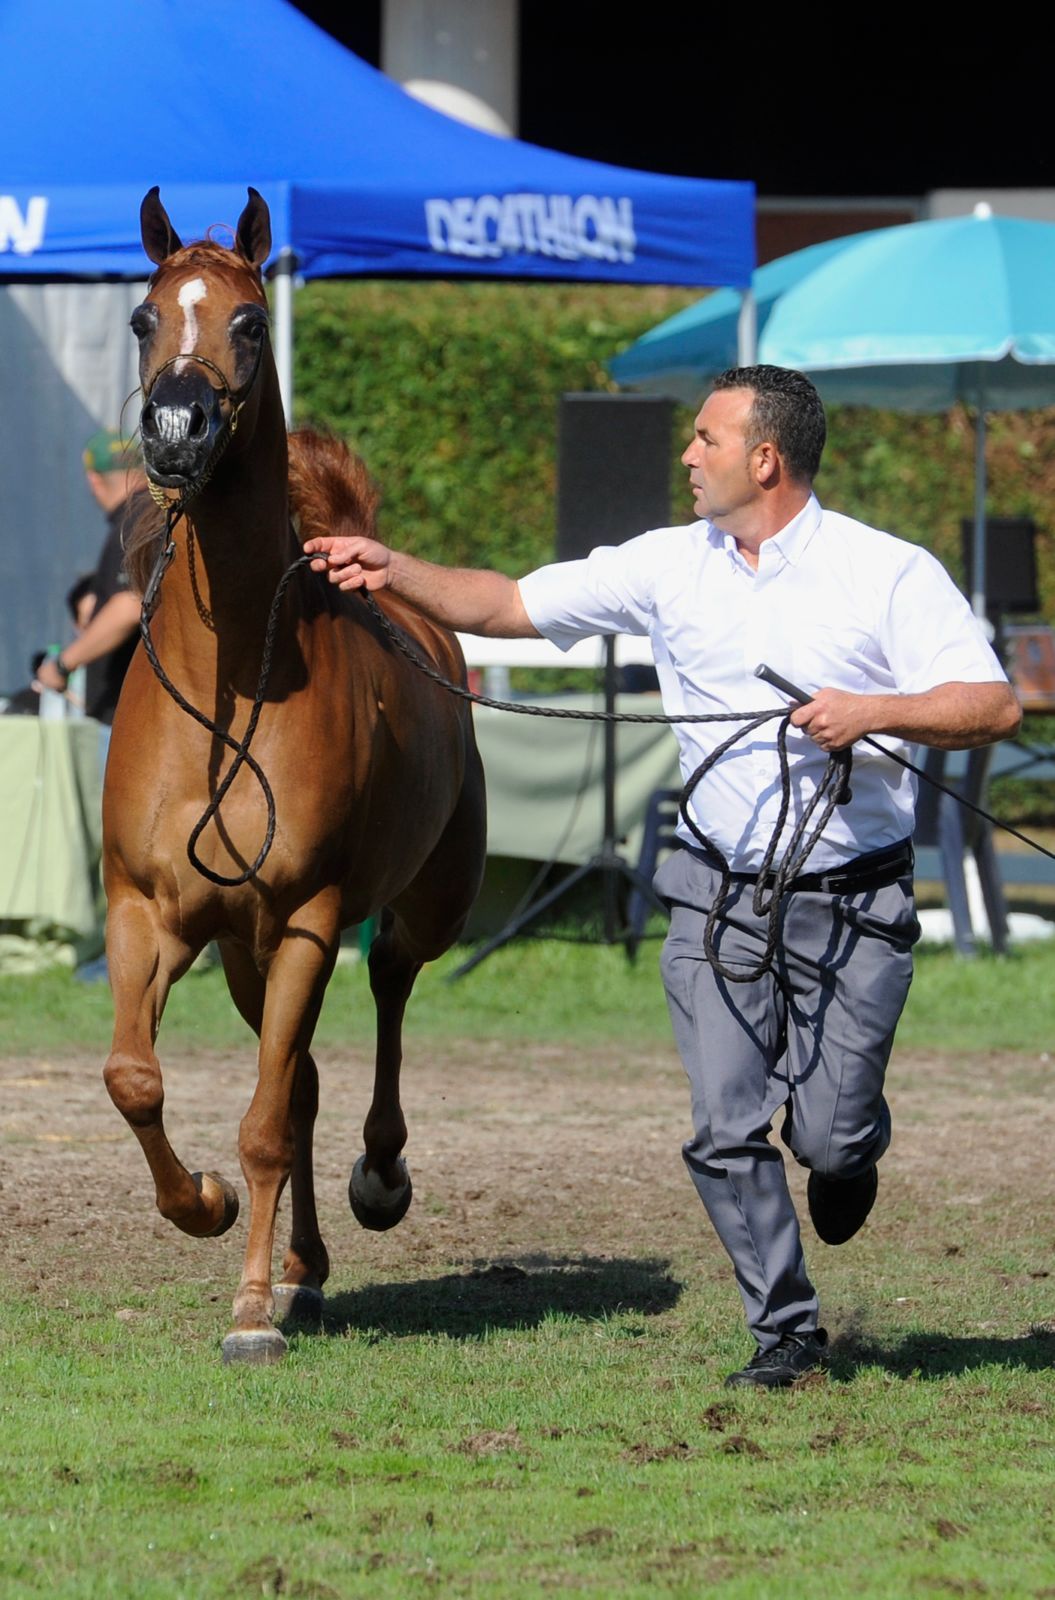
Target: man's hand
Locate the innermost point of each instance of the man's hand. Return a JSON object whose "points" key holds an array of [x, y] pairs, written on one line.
{"points": [[834, 718], [951, 716], [352, 562]]}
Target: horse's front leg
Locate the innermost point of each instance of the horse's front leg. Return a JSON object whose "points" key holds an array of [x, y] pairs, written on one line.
{"points": [[306, 1264], [380, 1190], [144, 961], [268, 1142]]}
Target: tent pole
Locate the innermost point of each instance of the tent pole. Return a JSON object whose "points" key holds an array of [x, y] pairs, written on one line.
{"points": [[282, 282], [978, 547], [747, 330]]}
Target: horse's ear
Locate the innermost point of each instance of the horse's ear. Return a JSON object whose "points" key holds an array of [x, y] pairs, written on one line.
{"points": [[160, 239], [253, 236]]}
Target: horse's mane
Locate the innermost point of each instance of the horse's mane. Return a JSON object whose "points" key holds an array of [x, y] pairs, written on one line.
{"points": [[141, 537], [330, 491]]}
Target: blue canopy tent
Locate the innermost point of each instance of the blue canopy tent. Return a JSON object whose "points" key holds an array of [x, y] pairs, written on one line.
{"points": [[206, 96]]}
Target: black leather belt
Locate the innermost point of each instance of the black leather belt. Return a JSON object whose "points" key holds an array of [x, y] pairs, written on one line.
{"points": [[876, 870]]}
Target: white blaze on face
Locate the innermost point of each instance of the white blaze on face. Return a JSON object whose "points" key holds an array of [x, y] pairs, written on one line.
{"points": [[192, 293]]}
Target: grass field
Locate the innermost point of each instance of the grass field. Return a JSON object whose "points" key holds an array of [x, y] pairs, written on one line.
{"points": [[549, 990], [518, 1391]]}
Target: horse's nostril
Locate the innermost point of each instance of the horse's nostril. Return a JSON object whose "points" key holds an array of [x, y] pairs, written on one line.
{"points": [[148, 420], [199, 423]]}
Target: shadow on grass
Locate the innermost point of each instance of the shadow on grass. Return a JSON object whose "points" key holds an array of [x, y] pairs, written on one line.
{"points": [[925, 1356], [516, 1293]]}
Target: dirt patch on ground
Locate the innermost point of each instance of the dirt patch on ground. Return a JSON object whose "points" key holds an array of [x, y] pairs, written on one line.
{"points": [[519, 1153]]}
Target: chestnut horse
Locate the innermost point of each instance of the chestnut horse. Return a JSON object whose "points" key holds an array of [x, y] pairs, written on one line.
{"points": [[378, 787]]}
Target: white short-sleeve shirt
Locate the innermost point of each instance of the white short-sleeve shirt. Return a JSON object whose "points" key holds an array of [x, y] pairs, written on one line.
{"points": [[833, 604]]}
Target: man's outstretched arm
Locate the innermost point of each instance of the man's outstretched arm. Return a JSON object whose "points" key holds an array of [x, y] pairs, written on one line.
{"points": [[469, 599]]}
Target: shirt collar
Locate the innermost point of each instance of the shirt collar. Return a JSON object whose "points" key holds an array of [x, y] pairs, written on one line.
{"points": [[790, 543], [793, 538]]}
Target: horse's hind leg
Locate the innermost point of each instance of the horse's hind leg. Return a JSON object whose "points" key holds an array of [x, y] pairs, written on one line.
{"points": [[380, 1189], [296, 982], [144, 962], [306, 1264]]}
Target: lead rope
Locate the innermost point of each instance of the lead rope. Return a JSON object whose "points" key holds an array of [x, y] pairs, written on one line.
{"points": [[241, 746], [833, 789]]}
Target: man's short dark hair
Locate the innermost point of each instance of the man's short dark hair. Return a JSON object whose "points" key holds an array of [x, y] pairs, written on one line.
{"points": [[787, 410]]}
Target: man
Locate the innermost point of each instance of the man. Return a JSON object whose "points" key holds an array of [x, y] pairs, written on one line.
{"points": [[876, 631], [105, 645]]}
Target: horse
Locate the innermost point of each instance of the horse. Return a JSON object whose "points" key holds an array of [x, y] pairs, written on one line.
{"points": [[379, 807]]}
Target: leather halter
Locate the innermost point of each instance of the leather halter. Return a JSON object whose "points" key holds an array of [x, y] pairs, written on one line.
{"points": [[236, 398]]}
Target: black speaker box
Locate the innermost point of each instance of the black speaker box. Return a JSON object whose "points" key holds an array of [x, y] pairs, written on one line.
{"points": [[1010, 563], [613, 469]]}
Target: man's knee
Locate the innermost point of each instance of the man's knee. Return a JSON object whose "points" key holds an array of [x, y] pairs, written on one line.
{"points": [[841, 1152]]}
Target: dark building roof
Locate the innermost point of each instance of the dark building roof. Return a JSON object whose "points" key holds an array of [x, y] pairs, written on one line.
{"points": [[798, 108]]}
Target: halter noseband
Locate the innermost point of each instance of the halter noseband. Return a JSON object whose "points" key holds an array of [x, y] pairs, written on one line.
{"points": [[236, 398]]}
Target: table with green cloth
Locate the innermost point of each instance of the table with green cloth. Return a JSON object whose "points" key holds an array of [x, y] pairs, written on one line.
{"points": [[50, 838], [544, 788]]}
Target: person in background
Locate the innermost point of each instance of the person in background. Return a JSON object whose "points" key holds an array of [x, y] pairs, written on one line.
{"points": [[104, 648], [80, 603]]}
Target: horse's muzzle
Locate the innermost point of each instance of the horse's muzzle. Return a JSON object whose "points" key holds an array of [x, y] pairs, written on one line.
{"points": [[180, 425]]}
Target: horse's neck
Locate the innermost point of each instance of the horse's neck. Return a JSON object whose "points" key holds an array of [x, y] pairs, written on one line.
{"points": [[239, 521], [233, 546]]}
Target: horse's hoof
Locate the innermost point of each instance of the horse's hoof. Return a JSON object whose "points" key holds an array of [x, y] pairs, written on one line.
{"points": [[296, 1302], [230, 1200], [255, 1347], [374, 1205]]}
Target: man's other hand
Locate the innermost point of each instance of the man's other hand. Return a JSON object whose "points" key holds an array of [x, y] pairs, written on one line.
{"points": [[833, 718]]}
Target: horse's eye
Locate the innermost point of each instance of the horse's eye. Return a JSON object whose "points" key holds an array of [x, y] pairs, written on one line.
{"points": [[252, 327], [143, 321]]}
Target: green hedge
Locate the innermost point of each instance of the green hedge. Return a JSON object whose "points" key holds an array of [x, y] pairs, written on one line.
{"points": [[450, 392]]}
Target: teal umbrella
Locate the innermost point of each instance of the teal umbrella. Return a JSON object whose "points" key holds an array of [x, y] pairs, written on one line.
{"points": [[913, 318], [677, 356]]}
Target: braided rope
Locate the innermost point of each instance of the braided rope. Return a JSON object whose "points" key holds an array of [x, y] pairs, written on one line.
{"points": [[240, 747], [833, 789]]}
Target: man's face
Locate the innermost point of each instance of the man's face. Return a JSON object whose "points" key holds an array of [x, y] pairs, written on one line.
{"points": [[718, 462]]}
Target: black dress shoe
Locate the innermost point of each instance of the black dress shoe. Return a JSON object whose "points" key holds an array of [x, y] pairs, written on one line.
{"points": [[778, 1368], [838, 1206]]}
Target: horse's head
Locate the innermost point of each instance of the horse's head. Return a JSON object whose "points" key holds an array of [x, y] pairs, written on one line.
{"points": [[203, 338]]}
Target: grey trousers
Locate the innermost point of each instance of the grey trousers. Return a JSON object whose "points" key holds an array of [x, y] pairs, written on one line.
{"points": [[813, 1036]]}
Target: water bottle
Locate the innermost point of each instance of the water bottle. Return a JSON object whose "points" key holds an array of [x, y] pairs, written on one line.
{"points": [[52, 701]]}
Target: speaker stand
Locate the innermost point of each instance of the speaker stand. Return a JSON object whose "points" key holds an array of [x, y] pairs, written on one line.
{"points": [[616, 872]]}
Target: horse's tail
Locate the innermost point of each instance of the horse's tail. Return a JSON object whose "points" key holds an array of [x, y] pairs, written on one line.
{"points": [[330, 490]]}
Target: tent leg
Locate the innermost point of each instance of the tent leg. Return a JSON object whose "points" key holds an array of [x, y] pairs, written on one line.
{"points": [[282, 282]]}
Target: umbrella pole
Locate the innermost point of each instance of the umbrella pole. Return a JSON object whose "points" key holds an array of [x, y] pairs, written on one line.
{"points": [[747, 330], [978, 548]]}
